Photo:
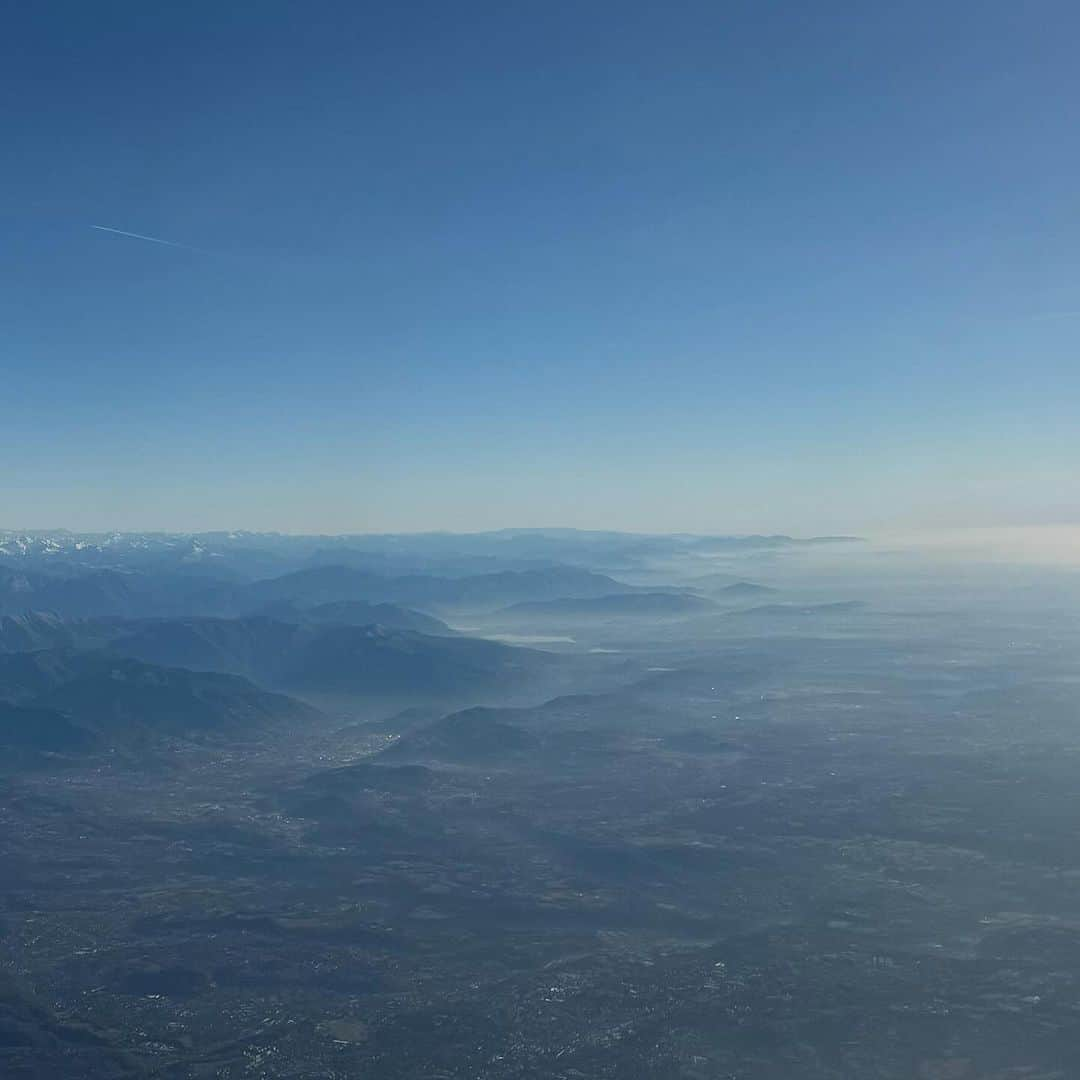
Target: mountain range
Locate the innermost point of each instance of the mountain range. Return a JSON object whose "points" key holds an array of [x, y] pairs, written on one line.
{"points": [[71, 701], [837, 607], [333, 659], [640, 603], [82, 593]]}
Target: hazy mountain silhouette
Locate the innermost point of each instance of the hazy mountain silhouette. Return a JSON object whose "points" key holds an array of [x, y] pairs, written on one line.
{"points": [[473, 735], [524, 738], [334, 584], [256, 647], [643, 603], [745, 588], [835, 608], [354, 660], [377, 660]]}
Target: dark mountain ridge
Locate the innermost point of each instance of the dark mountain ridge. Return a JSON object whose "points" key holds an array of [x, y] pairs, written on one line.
{"points": [[335, 584], [71, 701], [351, 660], [46, 630], [80, 593], [359, 613]]}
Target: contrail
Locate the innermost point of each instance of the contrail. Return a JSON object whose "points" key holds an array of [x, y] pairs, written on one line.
{"points": [[151, 239]]}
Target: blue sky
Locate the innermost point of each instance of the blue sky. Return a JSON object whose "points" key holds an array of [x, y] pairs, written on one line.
{"points": [[694, 266]]}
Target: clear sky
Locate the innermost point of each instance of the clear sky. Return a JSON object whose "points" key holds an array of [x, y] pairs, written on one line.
{"points": [[804, 267]]}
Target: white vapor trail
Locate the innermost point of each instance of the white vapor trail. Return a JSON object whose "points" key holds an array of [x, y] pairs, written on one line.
{"points": [[140, 236]]}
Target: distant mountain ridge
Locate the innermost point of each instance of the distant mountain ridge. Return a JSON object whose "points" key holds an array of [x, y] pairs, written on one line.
{"points": [[745, 588], [835, 607], [138, 594], [642, 603], [93, 593], [246, 556], [335, 584]]}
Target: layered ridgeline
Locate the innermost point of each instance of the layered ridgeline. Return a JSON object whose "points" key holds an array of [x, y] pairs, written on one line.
{"points": [[335, 659], [654, 604], [35, 630], [246, 556], [136, 593], [359, 613], [79, 593], [481, 592], [62, 701], [837, 607], [199, 677], [114, 641]]}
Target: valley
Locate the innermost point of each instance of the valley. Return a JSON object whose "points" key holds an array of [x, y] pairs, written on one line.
{"points": [[831, 840]]}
